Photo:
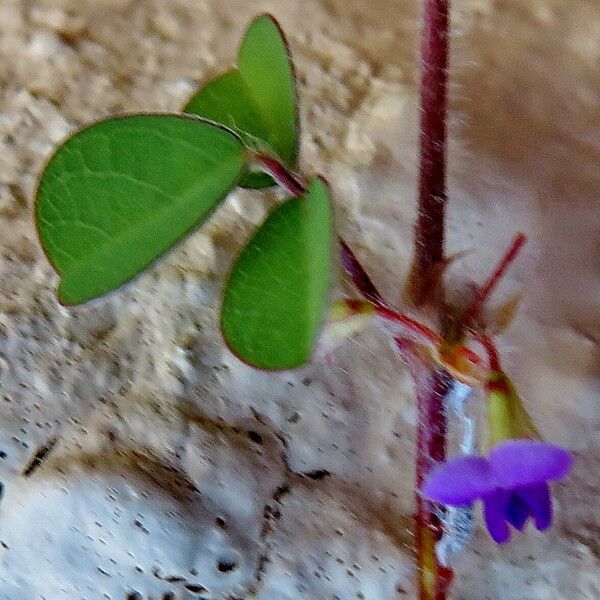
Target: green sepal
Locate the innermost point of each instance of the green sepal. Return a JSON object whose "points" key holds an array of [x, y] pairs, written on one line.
{"points": [[507, 417]]}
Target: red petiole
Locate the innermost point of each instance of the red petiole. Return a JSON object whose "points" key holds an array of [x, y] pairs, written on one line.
{"points": [[279, 173], [409, 325], [359, 276], [491, 351]]}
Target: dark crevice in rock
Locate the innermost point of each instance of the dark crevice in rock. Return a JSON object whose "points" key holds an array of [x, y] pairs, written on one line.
{"points": [[317, 474], [39, 457]]}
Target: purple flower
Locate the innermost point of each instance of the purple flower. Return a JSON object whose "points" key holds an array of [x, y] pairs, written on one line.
{"points": [[512, 483]]}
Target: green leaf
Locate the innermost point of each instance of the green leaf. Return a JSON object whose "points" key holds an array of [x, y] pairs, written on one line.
{"points": [[117, 195], [257, 99], [277, 290]]}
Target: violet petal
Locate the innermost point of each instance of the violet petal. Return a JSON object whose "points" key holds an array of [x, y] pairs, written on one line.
{"points": [[526, 462], [460, 481], [517, 511], [537, 498], [494, 512]]}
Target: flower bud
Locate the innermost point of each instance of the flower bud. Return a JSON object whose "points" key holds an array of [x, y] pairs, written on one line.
{"points": [[507, 417]]}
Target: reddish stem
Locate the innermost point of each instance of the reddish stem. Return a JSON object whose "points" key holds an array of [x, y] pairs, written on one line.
{"points": [[359, 276], [410, 325], [434, 579], [280, 174], [431, 385], [429, 230], [484, 291], [491, 350], [349, 261]]}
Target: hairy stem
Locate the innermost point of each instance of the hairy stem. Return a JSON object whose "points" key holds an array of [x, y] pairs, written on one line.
{"points": [[429, 229], [434, 579], [422, 288], [431, 385]]}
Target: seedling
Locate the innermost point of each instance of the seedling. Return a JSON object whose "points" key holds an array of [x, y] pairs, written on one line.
{"points": [[119, 194]]}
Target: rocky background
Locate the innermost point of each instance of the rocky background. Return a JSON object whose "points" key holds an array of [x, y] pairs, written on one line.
{"points": [[141, 460]]}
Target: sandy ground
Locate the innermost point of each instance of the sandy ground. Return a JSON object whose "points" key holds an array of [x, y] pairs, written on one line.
{"points": [[181, 473]]}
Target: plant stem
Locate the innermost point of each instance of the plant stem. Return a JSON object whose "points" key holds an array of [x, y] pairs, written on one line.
{"points": [[484, 291], [359, 276], [280, 174], [429, 229], [491, 350], [434, 579], [411, 326], [432, 386]]}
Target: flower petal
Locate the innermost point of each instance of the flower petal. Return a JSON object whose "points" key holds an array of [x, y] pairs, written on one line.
{"points": [[494, 512], [526, 462], [460, 481], [517, 511], [537, 498]]}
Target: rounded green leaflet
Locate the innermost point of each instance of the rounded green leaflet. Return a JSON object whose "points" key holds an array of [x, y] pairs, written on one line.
{"points": [[257, 99], [117, 195], [277, 291]]}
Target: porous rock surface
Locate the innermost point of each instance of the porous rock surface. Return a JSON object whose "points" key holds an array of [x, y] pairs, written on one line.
{"points": [[169, 470]]}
